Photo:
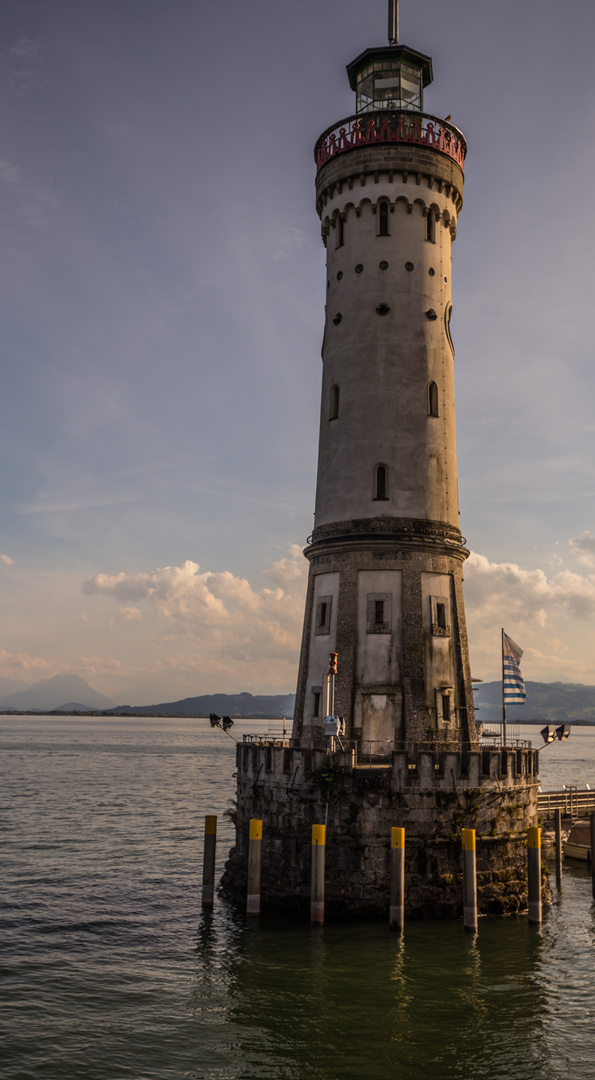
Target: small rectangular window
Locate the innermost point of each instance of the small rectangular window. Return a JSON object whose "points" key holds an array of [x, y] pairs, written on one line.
{"points": [[383, 211], [440, 616], [430, 228], [339, 235], [316, 702], [446, 708], [322, 623], [379, 613]]}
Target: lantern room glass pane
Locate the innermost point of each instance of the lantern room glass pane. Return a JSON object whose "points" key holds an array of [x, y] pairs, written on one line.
{"points": [[389, 85]]}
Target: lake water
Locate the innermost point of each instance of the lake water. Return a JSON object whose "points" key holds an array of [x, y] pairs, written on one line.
{"points": [[108, 969]]}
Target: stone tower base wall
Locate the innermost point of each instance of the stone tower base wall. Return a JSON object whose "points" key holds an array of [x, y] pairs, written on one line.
{"points": [[432, 794]]}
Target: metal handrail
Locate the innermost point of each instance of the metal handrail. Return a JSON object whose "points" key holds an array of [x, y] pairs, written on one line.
{"points": [[391, 126]]}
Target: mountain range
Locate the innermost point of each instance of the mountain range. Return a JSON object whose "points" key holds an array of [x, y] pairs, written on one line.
{"points": [[545, 701], [551, 702], [236, 705], [53, 693]]}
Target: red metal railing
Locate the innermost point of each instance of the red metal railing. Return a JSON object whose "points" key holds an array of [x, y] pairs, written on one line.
{"points": [[391, 127]]}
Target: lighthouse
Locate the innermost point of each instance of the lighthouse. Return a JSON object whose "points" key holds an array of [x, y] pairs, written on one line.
{"points": [[384, 740], [386, 554]]}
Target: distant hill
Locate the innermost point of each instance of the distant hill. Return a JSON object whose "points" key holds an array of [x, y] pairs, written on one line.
{"points": [[49, 694], [240, 706], [548, 701]]}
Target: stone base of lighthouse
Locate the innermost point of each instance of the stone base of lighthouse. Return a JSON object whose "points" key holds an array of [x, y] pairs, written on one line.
{"points": [[432, 794]]}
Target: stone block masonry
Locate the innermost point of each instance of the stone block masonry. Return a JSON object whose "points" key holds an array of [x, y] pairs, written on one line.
{"points": [[432, 793]]}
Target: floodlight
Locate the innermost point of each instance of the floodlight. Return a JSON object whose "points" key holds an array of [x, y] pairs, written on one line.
{"points": [[548, 734], [563, 732]]}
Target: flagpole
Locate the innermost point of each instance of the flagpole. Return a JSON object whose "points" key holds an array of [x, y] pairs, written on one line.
{"points": [[503, 698]]}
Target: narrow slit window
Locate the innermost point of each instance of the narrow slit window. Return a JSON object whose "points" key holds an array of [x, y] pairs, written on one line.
{"points": [[383, 219], [322, 620], [432, 399], [340, 234], [446, 708], [334, 409], [381, 483], [430, 228], [379, 612], [441, 616], [316, 703]]}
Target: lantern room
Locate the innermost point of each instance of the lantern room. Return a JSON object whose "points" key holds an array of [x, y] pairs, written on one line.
{"points": [[390, 78]]}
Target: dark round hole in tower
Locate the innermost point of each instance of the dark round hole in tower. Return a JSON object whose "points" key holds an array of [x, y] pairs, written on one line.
{"points": [[409, 266], [446, 279], [431, 271], [383, 309], [383, 265], [339, 275], [431, 314], [359, 268], [338, 317]]}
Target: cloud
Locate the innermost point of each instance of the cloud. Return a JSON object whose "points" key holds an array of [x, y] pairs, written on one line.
{"points": [[547, 614], [26, 48], [223, 614], [130, 613], [22, 663], [286, 245], [7, 560], [583, 548], [526, 595]]}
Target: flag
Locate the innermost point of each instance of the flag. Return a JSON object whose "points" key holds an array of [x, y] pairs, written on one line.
{"points": [[513, 687]]}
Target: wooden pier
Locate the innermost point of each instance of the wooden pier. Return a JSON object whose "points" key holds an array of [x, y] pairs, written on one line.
{"points": [[573, 802]]}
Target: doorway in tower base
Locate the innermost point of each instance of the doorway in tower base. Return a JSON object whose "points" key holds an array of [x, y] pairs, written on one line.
{"points": [[378, 716]]}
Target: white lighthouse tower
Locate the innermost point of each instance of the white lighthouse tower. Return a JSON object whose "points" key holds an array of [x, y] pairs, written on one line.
{"points": [[386, 554]]}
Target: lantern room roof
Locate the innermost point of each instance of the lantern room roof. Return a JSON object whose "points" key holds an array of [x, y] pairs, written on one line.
{"points": [[391, 52]]}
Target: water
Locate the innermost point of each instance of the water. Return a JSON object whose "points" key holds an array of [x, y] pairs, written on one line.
{"points": [[108, 970]]}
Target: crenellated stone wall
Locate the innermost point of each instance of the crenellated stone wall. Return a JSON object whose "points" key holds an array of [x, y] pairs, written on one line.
{"points": [[432, 793]]}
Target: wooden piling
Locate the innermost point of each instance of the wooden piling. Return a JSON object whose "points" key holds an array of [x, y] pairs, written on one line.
{"points": [[317, 882], [254, 867], [397, 879], [558, 832], [534, 874], [469, 880], [208, 863], [592, 818]]}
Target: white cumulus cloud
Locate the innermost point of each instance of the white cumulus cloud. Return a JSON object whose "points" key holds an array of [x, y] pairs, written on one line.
{"points": [[228, 618]]}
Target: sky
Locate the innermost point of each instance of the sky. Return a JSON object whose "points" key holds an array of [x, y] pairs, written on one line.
{"points": [[162, 307]]}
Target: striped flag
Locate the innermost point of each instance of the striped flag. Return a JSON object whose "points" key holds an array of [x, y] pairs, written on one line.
{"points": [[513, 687]]}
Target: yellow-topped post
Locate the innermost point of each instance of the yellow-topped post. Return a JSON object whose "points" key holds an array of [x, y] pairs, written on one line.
{"points": [[534, 874], [254, 866], [317, 883], [397, 879], [469, 880], [208, 864]]}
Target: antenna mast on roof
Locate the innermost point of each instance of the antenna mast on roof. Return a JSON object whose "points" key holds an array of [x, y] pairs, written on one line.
{"points": [[393, 22]]}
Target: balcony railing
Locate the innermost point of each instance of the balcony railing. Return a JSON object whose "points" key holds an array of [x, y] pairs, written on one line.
{"points": [[391, 127]]}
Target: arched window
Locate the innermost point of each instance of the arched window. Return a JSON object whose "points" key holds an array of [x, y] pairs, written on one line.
{"points": [[334, 404], [339, 233], [432, 399], [381, 485], [430, 227], [383, 209]]}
